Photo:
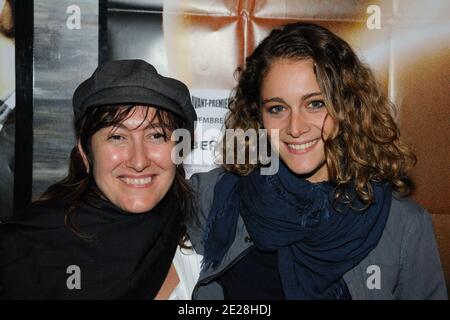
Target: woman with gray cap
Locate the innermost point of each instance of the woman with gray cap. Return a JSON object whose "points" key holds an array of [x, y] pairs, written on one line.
{"points": [[111, 228]]}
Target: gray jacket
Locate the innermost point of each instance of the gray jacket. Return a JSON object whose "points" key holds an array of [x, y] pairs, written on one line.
{"points": [[404, 265]]}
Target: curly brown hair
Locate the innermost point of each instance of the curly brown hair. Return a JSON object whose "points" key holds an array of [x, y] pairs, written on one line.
{"points": [[365, 145]]}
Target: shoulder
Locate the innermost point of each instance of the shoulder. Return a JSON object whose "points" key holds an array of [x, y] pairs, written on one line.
{"points": [[205, 181], [38, 215], [413, 225], [203, 184], [31, 228], [406, 216], [406, 248], [24, 241], [407, 207], [419, 254], [407, 221]]}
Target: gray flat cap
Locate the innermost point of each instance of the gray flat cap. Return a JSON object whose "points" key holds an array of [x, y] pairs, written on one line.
{"points": [[134, 82]]}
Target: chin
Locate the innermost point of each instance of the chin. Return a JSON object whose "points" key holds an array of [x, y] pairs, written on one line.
{"points": [[306, 170], [301, 171], [138, 207], [299, 168]]}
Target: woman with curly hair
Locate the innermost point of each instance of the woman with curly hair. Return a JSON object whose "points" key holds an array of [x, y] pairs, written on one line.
{"points": [[334, 221]]}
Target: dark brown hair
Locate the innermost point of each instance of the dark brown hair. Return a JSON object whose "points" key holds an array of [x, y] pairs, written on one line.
{"points": [[365, 146], [79, 182]]}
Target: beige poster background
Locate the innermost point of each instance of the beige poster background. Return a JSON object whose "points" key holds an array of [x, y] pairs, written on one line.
{"points": [[406, 42]]}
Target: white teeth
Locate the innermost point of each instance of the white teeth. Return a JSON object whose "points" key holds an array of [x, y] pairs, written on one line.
{"points": [[140, 181], [302, 146]]}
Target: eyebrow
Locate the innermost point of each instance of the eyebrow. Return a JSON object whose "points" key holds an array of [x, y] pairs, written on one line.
{"points": [[281, 100], [148, 126]]}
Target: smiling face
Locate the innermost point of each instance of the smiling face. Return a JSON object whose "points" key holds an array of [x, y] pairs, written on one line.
{"points": [[293, 103], [131, 162]]}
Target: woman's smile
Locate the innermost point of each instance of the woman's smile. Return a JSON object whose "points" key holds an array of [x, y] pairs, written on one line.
{"points": [[142, 181], [301, 148]]}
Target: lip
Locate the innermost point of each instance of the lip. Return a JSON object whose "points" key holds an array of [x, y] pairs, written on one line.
{"points": [[302, 151], [137, 181]]}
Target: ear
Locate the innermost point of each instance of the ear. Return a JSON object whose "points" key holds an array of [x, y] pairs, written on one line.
{"points": [[83, 156]]}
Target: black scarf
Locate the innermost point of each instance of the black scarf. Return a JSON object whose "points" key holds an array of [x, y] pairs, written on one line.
{"points": [[316, 244], [127, 256]]}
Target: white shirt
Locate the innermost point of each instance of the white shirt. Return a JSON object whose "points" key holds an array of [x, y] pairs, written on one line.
{"points": [[187, 264]]}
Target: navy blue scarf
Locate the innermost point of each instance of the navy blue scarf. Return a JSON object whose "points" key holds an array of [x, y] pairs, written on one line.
{"points": [[316, 244]]}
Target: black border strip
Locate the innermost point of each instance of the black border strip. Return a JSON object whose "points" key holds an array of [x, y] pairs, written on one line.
{"points": [[102, 31], [23, 163]]}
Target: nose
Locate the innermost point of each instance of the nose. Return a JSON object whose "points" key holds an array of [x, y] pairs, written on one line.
{"points": [[138, 159], [297, 125]]}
